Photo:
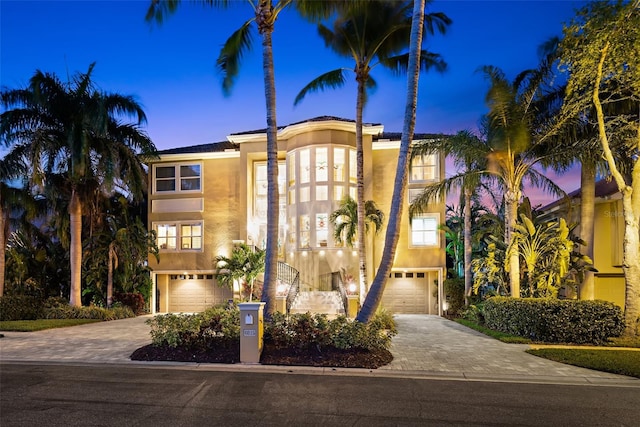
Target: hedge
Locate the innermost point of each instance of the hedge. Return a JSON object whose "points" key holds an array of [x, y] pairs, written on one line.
{"points": [[25, 307], [553, 320]]}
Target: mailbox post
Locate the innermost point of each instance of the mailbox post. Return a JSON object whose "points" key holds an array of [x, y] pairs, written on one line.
{"points": [[251, 331]]}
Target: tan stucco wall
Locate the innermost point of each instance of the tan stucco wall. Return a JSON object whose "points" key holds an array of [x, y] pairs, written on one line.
{"points": [[607, 252]]}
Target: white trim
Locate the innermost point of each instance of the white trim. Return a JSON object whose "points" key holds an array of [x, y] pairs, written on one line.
{"points": [[293, 130], [435, 215], [177, 177], [185, 157], [178, 224]]}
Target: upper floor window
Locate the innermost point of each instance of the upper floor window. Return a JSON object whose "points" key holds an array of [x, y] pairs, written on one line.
{"points": [[179, 236], [176, 178], [260, 190], [353, 168], [424, 230], [424, 168]]}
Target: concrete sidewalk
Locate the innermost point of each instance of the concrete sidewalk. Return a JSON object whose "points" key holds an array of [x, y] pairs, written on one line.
{"points": [[426, 346]]}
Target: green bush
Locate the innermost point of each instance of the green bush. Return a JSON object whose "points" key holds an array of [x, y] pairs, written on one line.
{"points": [[21, 307], [214, 327], [93, 312], [474, 313], [307, 331], [552, 320], [454, 291]]}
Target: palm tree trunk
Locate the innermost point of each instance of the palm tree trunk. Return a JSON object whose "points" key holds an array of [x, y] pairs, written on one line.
{"points": [[467, 245], [511, 217], [75, 250], [374, 296], [587, 207], [265, 27], [3, 246], [362, 250], [110, 277]]}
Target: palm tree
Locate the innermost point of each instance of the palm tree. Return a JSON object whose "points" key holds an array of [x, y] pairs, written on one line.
{"points": [[374, 33], [77, 131], [244, 263], [345, 220], [469, 154], [265, 14], [515, 145]]}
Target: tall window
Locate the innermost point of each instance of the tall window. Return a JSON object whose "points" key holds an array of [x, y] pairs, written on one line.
{"points": [[322, 164], [260, 190], [424, 230], [179, 236], [305, 167], [174, 178], [304, 231], [292, 168], [353, 168], [424, 168], [338, 164], [322, 229]]}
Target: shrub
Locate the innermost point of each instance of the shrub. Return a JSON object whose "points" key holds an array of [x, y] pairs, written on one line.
{"points": [[552, 320], [454, 291], [474, 313], [133, 300], [215, 326], [20, 307], [69, 312], [307, 331]]}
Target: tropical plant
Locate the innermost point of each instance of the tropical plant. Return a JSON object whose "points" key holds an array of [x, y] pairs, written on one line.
{"points": [[372, 33], [245, 263], [345, 220], [601, 51], [78, 131]]}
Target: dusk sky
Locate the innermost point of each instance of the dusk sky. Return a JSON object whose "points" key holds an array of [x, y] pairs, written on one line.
{"points": [[171, 68]]}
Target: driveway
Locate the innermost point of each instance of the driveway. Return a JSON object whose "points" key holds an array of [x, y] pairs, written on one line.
{"points": [[426, 346]]}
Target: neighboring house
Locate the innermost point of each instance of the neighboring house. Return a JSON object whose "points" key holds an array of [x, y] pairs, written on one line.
{"points": [[608, 282], [205, 198]]}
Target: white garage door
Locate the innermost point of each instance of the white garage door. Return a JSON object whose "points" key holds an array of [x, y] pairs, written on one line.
{"points": [[192, 295], [411, 293]]}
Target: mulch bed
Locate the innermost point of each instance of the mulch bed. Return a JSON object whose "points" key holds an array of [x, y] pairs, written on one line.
{"points": [[271, 355]]}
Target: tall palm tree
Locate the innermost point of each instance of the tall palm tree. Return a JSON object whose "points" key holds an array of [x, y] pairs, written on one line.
{"points": [[512, 134], [469, 154], [374, 33], [77, 131], [265, 14]]}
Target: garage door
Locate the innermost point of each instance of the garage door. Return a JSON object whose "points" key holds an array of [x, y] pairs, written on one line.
{"points": [[410, 293], [192, 295]]}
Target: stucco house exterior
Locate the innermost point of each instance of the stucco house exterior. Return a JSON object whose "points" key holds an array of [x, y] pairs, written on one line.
{"points": [[608, 282], [203, 199]]}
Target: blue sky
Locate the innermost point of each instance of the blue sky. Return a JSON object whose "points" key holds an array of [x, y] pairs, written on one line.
{"points": [[171, 68]]}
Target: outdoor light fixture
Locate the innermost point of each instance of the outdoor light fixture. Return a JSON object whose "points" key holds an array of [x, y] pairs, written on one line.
{"points": [[352, 288], [321, 253], [340, 252], [354, 253]]}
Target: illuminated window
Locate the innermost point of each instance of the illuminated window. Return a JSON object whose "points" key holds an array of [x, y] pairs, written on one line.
{"points": [[177, 178], [260, 190], [305, 228], [424, 230], [305, 167], [338, 192], [353, 192], [191, 236], [322, 164], [292, 169], [322, 229], [424, 168], [179, 236], [305, 194], [292, 196], [322, 192], [353, 169], [292, 231], [338, 164]]}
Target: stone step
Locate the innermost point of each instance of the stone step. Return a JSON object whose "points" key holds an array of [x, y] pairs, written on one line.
{"points": [[327, 302]]}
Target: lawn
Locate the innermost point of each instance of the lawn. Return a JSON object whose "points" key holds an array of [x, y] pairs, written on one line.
{"points": [[41, 324], [624, 362]]}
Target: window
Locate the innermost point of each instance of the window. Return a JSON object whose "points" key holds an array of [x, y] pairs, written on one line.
{"points": [[424, 230], [260, 190], [305, 194], [305, 172], [322, 192], [338, 164], [191, 236], [338, 192], [322, 229], [179, 236], [424, 168], [292, 169], [175, 178], [353, 168], [304, 231]]}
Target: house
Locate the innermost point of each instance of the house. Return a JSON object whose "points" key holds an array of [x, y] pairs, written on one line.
{"points": [[203, 199], [608, 282]]}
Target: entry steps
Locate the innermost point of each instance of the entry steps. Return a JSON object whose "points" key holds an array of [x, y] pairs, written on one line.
{"points": [[318, 302]]}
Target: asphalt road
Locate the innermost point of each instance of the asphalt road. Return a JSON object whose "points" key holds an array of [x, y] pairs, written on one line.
{"points": [[118, 395]]}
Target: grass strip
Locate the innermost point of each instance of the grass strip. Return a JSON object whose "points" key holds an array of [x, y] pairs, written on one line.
{"points": [[623, 362], [41, 324], [501, 336]]}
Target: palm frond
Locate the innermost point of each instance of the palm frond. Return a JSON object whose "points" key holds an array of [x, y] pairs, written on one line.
{"points": [[330, 80], [230, 57]]}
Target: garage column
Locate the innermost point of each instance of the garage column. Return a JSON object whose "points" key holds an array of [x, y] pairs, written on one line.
{"points": [[251, 331]]}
